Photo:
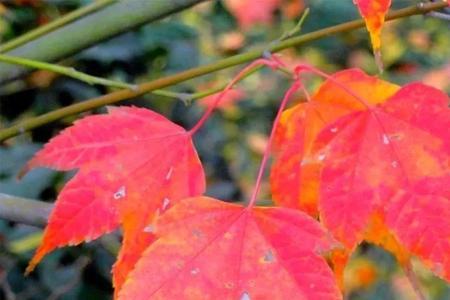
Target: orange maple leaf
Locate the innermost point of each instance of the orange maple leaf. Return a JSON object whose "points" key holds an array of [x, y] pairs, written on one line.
{"points": [[295, 172], [374, 12]]}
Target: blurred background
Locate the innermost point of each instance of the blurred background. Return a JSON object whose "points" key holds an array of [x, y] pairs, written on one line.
{"points": [[231, 143]]}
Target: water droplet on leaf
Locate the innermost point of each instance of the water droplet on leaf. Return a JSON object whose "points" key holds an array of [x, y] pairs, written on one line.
{"points": [[165, 204], [120, 193], [169, 173], [149, 228], [245, 296], [268, 257]]}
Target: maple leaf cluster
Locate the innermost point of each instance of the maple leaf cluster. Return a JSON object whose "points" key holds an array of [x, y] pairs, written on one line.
{"points": [[362, 160], [368, 158]]}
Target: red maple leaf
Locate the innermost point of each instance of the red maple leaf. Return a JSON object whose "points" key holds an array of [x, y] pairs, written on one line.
{"points": [[209, 249], [248, 12], [132, 164], [386, 175], [377, 158]]}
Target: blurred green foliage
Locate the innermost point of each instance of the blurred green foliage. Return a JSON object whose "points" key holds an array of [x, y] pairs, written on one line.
{"points": [[231, 143]]}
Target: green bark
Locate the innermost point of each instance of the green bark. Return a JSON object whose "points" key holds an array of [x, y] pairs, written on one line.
{"points": [[58, 23], [90, 30], [22, 210]]}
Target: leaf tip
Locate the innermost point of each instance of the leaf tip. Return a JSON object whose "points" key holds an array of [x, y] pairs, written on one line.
{"points": [[41, 251], [33, 263], [23, 171]]}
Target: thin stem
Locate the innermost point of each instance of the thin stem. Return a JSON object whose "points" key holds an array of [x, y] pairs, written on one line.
{"points": [[438, 15], [295, 86], [209, 92], [256, 65], [71, 72], [298, 26], [267, 53], [185, 97], [64, 20], [306, 93], [195, 96], [202, 70], [411, 275]]}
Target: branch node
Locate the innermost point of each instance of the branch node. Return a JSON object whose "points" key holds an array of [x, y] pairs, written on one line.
{"points": [[133, 87], [421, 6], [186, 98], [267, 54]]}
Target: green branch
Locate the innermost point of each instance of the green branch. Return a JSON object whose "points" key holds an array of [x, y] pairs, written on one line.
{"points": [[206, 69], [64, 20], [25, 211], [68, 71], [114, 19], [71, 72]]}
